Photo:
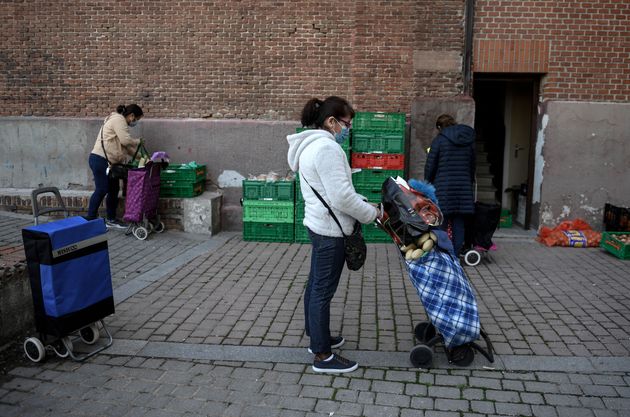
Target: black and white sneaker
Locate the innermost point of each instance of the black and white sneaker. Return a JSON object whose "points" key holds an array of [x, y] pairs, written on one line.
{"points": [[335, 364], [335, 342], [115, 224]]}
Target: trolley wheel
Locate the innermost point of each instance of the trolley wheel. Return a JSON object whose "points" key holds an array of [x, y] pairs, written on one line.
{"points": [[421, 356], [150, 227], [89, 334], [34, 349], [159, 227], [424, 331], [60, 349], [472, 258], [140, 233], [462, 355]]}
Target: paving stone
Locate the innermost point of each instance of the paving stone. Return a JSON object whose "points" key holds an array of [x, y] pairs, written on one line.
{"points": [[483, 407], [513, 409], [574, 412], [451, 405], [444, 392]]}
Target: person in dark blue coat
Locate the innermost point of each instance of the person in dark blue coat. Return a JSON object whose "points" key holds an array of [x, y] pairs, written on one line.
{"points": [[450, 167]]}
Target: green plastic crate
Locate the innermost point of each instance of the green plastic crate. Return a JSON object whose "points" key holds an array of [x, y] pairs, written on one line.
{"points": [[615, 246], [374, 178], [506, 219], [268, 211], [373, 194], [299, 212], [372, 234], [368, 141], [379, 121], [180, 172], [268, 232], [182, 190], [264, 190]]}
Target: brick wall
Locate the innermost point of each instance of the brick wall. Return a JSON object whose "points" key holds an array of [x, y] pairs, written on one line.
{"points": [[236, 59], [582, 45]]}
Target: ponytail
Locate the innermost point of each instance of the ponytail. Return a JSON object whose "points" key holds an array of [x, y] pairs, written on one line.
{"points": [[310, 113], [129, 109], [316, 111]]}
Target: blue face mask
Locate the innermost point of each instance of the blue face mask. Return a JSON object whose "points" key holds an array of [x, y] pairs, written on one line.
{"points": [[134, 123], [343, 135]]}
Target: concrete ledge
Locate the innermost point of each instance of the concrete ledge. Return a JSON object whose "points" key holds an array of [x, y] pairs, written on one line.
{"points": [[199, 214], [202, 214]]}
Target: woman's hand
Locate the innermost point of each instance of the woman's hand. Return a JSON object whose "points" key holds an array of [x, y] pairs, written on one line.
{"points": [[379, 211]]}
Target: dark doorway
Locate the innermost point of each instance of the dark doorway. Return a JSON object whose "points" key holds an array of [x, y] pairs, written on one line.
{"points": [[505, 121]]}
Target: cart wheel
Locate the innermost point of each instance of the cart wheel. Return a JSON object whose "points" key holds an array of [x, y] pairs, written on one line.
{"points": [[424, 331], [421, 356], [472, 258], [129, 230], [89, 334], [462, 355], [60, 349], [140, 233], [159, 228], [34, 349], [150, 227]]}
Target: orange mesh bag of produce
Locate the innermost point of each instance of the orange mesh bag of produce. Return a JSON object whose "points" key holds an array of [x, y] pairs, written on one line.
{"points": [[574, 233]]}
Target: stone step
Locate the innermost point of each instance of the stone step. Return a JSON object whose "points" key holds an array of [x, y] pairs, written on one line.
{"points": [[483, 169], [484, 181], [486, 196]]}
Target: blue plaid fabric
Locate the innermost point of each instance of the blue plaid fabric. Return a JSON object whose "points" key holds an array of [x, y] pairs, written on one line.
{"points": [[447, 297]]}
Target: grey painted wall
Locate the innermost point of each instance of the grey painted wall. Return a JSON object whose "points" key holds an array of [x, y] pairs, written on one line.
{"points": [[584, 159], [54, 151], [424, 113], [50, 151]]}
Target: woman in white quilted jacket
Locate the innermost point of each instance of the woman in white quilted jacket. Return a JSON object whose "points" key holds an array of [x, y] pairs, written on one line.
{"points": [[322, 164]]}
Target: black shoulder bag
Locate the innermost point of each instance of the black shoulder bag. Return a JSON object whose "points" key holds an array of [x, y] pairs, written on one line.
{"points": [[354, 244], [116, 171]]}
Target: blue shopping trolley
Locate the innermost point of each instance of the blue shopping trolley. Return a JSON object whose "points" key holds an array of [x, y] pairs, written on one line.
{"points": [[71, 285]]}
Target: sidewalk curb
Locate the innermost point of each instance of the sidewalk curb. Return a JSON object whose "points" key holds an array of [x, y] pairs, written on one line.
{"points": [[507, 363]]}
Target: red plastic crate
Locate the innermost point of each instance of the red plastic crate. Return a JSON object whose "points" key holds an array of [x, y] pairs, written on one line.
{"points": [[378, 161]]}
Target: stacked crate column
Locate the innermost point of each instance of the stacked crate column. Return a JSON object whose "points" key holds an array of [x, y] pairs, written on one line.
{"points": [[378, 146], [268, 211]]}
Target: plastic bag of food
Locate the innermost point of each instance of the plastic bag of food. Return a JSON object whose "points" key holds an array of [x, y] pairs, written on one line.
{"points": [[571, 233]]}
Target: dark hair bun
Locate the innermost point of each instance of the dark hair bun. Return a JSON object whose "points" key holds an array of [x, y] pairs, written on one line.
{"points": [[121, 109]]}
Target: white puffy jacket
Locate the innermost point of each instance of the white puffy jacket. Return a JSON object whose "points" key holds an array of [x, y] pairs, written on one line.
{"points": [[322, 162]]}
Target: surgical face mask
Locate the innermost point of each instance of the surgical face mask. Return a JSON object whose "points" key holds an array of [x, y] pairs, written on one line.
{"points": [[343, 135], [134, 123]]}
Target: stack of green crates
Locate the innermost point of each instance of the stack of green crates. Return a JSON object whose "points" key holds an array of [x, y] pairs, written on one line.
{"points": [[268, 211], [182, 180], [376, 133]]}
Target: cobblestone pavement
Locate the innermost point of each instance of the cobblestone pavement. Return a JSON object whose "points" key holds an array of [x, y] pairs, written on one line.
{"points": [[532, 300], [213, 327], [129, 256]]}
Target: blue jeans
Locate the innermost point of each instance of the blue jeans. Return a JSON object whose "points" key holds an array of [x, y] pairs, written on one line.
{"points": [[327, 260], [458, 228], [103, 186]]}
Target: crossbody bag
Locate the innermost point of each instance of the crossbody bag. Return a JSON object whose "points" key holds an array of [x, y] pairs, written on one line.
{"points": [[354, 244]]}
